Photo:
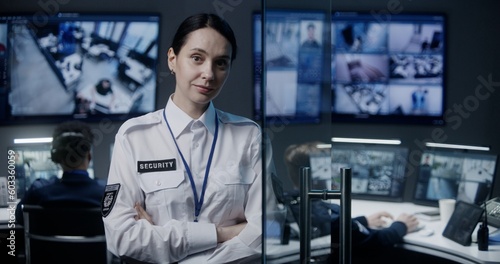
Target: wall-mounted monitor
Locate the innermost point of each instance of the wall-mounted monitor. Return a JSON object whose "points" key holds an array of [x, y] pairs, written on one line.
{"points": [[77, 66], [294, 51], [388, 70], [463, 176], [378, 171]]}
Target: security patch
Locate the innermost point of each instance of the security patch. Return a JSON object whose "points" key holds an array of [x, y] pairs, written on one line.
{"points": [[109, 199], [156, 165]]}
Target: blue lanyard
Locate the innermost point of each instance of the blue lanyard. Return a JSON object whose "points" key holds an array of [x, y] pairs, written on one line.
{"points": [[197, 203]]}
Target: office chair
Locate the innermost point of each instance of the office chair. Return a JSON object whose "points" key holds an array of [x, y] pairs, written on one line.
{"points": [[64, 235]]}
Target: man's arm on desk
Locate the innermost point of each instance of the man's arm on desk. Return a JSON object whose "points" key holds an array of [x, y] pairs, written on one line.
{"points": [[364, 235]]}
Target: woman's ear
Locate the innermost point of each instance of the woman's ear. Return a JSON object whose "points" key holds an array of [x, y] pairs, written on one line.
{"points": [[171, 59]]}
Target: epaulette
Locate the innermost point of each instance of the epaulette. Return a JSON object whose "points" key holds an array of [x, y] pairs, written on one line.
{"points": [[229, 118], [148, 119]]}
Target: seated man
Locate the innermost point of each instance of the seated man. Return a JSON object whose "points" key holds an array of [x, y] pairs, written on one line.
{"points": [[367, 231], [96, 99], [71, 149]]}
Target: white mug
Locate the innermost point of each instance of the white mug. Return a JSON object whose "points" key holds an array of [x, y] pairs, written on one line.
{"points": [[446, 208]]}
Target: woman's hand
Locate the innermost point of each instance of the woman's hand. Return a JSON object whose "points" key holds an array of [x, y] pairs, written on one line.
{"points": [[142, 214]]}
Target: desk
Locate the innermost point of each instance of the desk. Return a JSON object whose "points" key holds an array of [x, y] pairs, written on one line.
{"points": [[137, 71], [434, 245], [4, 215], [98, 49], [115, 103], [11, 237], [71, 68]]}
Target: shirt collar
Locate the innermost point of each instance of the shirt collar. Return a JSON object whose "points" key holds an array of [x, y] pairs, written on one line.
{"points": [[75, 176], [182, 120]]}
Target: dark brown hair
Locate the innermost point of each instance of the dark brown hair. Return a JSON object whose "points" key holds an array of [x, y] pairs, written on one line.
{"points": [[200, 21]]}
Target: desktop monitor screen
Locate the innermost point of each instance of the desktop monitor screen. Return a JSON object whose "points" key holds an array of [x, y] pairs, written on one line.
{"points": [[294, 57], [33, 162], [378, 172], [390, 71], [463, 176], [77, 66]]}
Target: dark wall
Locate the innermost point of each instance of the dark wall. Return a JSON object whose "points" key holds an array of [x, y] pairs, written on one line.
{"points": [[473, 40]]}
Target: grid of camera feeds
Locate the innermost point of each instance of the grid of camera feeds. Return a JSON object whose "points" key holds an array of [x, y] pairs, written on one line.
{"points": [[78, 65], [383, 68], [294, 60], [378, 171], [463, 176]]}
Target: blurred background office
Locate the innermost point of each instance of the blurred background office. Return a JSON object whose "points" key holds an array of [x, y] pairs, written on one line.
{"points": [[136, 63], [470, 64]]}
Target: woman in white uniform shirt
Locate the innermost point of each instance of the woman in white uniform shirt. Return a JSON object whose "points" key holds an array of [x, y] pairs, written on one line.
{"points": [[185, 182]]}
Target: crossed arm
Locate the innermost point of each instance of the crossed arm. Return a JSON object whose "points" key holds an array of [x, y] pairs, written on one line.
{"points": [[223, 233]]}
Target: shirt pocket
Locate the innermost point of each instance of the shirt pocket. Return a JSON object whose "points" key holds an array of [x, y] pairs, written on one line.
{"points": [[156, 184], [233, 186]]}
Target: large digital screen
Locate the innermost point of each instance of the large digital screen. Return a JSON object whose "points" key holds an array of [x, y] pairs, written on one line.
{"points": [[294, 57], [390, 70], [77, 66]]}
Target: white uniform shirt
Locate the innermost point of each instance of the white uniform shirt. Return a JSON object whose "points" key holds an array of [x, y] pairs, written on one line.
{"points": [[233, 193]]}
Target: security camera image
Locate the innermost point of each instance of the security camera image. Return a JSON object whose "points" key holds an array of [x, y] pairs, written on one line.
{"points": [[462, 176], [81, 65], [388, 71]]}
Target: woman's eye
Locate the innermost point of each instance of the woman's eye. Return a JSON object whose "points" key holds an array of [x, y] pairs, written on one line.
{"points": [[222, 63], [196, 58]]}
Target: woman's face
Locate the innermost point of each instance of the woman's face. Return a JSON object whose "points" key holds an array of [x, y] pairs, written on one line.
{"points": [[201, 68]]}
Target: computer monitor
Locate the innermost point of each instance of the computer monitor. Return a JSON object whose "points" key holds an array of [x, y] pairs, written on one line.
{"points": [[460, 175], [33, 162], [388, 70], [378, 171], [294, 57], [77, 66]]}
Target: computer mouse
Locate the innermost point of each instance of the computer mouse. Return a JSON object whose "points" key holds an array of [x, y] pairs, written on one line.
{"points": [[426, 232], [387, 221]]}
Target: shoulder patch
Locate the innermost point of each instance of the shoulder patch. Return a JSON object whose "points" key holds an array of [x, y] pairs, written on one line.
{"points": [[109, 198]]}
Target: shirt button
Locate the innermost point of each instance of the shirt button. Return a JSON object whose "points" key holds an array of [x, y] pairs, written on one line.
{"points": [[158, 183], [196, 145]]}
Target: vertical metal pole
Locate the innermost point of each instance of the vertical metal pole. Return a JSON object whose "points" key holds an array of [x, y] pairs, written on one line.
{"points": [[305, 216], [345, 214]]}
